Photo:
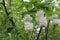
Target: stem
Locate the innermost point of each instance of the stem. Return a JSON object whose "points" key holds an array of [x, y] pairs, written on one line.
{"points": [[4, 24], [39, 33], [54, 32], [7, 13], [46, 31]]}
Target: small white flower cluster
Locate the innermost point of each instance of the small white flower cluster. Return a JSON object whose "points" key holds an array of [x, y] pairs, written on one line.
{"points": [[10, 35], [28, 25], [27, 17], [41, 19], [38, 29], [55, 19], [26, 0], [54, 16]]}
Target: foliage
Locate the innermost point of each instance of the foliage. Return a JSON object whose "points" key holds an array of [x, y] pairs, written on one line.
{"points": [[17, 9]]}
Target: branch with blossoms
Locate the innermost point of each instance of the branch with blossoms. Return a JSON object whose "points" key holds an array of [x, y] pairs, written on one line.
{"points": [[56, 22], [28, 25], [42, 22]]}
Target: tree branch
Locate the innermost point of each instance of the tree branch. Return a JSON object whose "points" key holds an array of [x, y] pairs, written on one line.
{"points": [[46, 31], [7, 13], [54, 26], [39, 33]]}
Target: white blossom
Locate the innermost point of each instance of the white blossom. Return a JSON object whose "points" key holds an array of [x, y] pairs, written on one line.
{"points": [[51, 21], [41, 20], [38, 29], [42, 1], [40, 14], [55, 3], [6, 3], [26, 0], [55, 16], [56, 21], [9, 35], [27, 17], [28, 26]]}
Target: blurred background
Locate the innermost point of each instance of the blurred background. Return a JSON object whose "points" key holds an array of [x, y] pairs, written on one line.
{"points": [[21, 19]]}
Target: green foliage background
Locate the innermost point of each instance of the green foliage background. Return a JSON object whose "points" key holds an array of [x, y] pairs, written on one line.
{"points": [[17, 11]]}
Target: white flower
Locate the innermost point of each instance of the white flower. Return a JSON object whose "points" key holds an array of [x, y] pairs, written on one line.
{"points": [[42, 21], [27, 17], [40, 14], [26, 0], [55, 3], [5, 3], [50, 21], [9, 35], [42, 1], [55, 16], [28, 26], [38, 29], [56, 21]]}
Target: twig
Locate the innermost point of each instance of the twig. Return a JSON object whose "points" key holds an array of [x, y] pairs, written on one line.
{"points": [[46, 31], [54, 31], [39, 33], [7, 13]]}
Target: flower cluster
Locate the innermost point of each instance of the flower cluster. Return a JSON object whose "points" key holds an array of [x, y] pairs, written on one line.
{"points": [[55, 16], [55, 19], [28, 25], [41, 19], [27, 17]]}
